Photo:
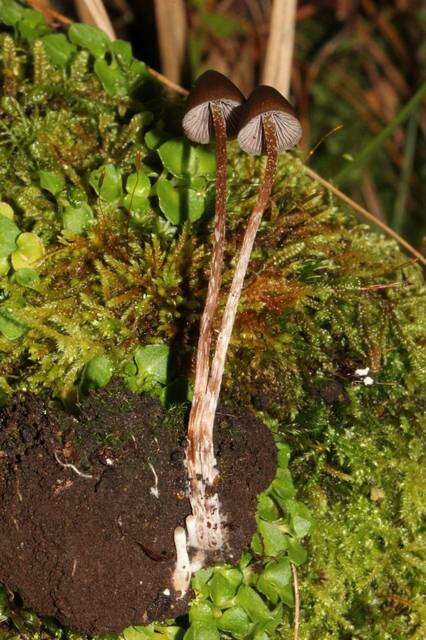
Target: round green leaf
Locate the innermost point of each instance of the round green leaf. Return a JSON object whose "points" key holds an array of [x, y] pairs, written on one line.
{"points": [[106, 181], [89, 37], [178, 203], [204, 161], [296, 552], [137, 71], [123, 51], [182, 159], [154, 138], [4, 266], [283, 484], [10, 327], [58, 48], [136, 203], [8, 234], [136, 633], [77, 219], [202, 631], [138, 184], [29, 251], [274, 540], [32, 25], [111, 76], [10, 12], [301, 519], [223, 586], [98, 371], [236, 622], [153, 359], [26, 277], [6, 210], [283, 455], [52, 181], [267, 508], [253, 605]]}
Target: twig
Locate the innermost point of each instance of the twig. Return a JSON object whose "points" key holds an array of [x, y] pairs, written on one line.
{"points": [[94, 12], [171, 27], [279, 52], [366, 214], [296, 602], [168, 83], [44, 7]]}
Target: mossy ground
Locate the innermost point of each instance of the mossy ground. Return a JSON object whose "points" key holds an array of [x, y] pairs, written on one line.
{"points": [[324, 297]]}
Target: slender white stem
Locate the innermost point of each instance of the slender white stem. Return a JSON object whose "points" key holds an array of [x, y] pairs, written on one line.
{"points": [[182, 572], [201, 463]]}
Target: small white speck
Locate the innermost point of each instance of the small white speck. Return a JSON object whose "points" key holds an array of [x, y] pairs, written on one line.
{"points": [[109, 462], [362, 372], [166, 592], [368, 381], [154, 490]]}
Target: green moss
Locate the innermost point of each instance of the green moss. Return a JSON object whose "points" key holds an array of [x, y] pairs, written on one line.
{"points": [[325, 296]]}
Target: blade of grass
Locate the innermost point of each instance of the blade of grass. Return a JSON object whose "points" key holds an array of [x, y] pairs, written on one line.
{"points": [[407, 170], [351, 171]]}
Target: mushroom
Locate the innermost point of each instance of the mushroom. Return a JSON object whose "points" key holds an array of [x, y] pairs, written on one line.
{"points": [[211, 112], [268, 124], [266, 103]]}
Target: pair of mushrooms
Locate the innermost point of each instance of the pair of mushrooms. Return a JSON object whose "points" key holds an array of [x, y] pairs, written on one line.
{"points": [[265, 122]]}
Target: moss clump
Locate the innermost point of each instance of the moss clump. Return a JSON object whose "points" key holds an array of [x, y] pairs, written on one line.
{"points": [[93, 166]]}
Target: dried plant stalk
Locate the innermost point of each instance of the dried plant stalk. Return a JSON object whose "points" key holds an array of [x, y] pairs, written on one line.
{"points": [[279, 52], [171, 27], [94, 12]]}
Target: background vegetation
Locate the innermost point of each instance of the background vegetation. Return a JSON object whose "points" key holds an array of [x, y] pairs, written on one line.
{"points": [[356, 64]]}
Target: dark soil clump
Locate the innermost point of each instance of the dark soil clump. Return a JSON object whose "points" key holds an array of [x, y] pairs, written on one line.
{"points": [[92, 544]]}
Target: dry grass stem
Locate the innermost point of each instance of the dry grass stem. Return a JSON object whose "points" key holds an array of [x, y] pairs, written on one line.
{"points": [[279, 52], [296, 603], [171, 26], [50, 14], [94, 12]]}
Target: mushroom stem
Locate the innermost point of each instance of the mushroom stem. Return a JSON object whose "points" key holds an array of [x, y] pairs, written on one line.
{"points": [[206, 324], [201, 463], [182, 574], [218, 365]]}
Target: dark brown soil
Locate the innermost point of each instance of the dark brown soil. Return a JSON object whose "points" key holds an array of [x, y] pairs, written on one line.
{"points": [[97, 552]]}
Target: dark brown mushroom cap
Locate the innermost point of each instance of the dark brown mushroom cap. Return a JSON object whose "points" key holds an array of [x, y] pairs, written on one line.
{"points": [[211, 87], [265, 100]]}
